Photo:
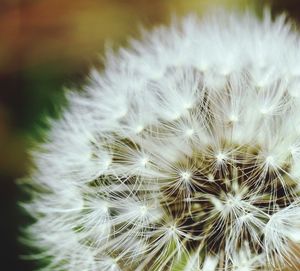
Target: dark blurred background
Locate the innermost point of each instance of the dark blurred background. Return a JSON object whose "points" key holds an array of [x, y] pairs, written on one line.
{"points": [[48, 44]]}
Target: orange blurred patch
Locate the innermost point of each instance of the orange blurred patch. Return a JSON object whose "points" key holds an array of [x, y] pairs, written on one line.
{"points": [[66, 30]]}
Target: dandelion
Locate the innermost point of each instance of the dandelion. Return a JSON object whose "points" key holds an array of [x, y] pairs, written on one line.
{"points": [[182, 155]]}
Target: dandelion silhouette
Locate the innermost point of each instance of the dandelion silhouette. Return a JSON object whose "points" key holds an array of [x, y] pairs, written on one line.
{"points": [[184, 154]]}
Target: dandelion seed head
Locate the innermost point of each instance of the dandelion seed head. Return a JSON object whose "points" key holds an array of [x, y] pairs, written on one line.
{"points": [[183, 154]]}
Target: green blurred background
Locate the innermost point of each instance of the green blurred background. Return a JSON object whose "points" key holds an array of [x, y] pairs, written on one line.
{"points": [[48, 44]]}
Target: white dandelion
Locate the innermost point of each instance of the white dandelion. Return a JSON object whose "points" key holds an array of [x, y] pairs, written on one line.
{"points": [[183, 154]]}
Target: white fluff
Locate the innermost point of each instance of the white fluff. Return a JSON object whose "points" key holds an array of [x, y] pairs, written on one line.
{"points": [[183, 153]]}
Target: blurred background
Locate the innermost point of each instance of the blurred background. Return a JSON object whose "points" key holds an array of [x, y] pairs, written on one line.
{"points": [[46, 45]]}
